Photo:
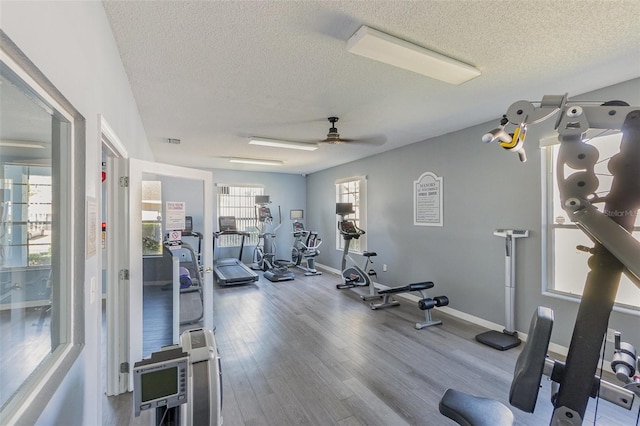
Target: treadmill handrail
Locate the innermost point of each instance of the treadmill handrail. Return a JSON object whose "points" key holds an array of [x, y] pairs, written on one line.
{"points": [[242, 233]]}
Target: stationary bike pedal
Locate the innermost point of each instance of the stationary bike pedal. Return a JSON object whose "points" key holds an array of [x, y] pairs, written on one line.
{"points": [[372, 273]]}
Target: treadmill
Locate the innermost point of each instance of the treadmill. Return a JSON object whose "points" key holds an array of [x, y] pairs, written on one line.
{"points": [[232, 271]]}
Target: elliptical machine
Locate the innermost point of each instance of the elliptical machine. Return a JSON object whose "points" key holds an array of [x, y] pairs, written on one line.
{"points": [[305, 247], [264, 256]]}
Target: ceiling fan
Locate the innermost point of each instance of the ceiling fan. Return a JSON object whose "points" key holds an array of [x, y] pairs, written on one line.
{"points": [[333, 137]]}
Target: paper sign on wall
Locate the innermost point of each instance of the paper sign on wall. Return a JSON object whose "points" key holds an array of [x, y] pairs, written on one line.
{"points": [[427, 200], [174, 215]]}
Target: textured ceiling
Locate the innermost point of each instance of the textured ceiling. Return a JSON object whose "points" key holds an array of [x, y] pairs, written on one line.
{"points": [[213, 73]]}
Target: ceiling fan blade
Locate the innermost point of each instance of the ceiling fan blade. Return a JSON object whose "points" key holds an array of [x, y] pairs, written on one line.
{"points": [[337, 140], [376, 140]]}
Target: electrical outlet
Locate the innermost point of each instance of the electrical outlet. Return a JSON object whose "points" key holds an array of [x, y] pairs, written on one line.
{"points": [[384, 268], [611, 335]]}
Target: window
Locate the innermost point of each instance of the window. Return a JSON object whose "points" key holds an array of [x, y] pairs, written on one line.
{"points": [[353, 190], [151, 218], [566, 266], [41, 236], [27, 197], [239, 201]]}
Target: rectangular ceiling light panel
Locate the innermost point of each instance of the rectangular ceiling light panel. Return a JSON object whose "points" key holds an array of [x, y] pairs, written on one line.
{"points": [[21, 144], [376, 45], [275, 143], [256, 161]]}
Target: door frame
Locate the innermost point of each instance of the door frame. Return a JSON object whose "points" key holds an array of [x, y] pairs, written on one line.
{"points": [[136, 170], [116, 258]]}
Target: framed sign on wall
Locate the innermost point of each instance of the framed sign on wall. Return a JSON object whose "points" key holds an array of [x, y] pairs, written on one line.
{"points": [[427, 200]]}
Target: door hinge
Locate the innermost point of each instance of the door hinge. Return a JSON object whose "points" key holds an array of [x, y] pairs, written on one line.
{"points": [[124, 181], [124, 367], [124, 274]]}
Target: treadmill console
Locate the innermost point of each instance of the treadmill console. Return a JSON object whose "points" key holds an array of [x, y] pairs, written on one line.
{"points": [[227, 224]]}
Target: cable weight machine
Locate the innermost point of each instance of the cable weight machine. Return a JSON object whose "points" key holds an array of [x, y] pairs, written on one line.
{"points": [[508, 338]]}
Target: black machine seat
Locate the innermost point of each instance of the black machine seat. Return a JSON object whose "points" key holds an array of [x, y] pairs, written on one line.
{"points": [[469, 410], [530, 364], [369, 254], [411, 287]]}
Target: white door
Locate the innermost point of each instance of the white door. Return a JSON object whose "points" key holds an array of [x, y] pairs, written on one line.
{"points": [[191, 186]]}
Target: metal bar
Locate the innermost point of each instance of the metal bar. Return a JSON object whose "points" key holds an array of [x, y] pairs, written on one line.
{"points": [[602, 283]]}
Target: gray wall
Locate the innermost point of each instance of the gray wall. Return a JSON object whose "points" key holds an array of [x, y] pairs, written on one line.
{"points": [[485, 188]]}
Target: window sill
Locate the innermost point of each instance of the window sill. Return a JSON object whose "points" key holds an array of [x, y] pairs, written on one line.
{"points": [[26, 406]]}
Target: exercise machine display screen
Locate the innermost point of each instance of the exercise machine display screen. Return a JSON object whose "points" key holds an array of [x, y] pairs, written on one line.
{"points": [[296, 214], [348, 227], [188, 224], [160, 380], [159, 384], [344, 209], [262, 199], [264, 213], [227, 223]]}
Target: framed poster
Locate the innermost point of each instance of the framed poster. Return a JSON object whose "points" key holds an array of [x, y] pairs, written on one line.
{"points": [[427, 200]]}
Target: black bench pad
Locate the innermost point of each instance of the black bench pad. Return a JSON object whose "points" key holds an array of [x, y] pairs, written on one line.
{"points": [[469, 410], [411, 287]]}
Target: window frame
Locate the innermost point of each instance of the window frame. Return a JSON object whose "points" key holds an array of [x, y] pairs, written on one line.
{"points": [[550, 202], [31, 398], [358, 246], [230, 241]]}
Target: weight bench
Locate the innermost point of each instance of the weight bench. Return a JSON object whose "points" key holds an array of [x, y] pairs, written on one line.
{"points": [[425, 304]]}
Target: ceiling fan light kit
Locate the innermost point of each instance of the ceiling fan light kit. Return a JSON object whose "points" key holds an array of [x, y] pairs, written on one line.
{"points": [[382, 47], [276, 143], [333, 137]]}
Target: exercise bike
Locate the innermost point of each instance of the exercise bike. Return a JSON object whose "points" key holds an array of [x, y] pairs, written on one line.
{"points": [[353, 276]]}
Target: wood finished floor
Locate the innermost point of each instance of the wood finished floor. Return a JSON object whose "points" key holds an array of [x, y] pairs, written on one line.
{"points": [[303, 353]]}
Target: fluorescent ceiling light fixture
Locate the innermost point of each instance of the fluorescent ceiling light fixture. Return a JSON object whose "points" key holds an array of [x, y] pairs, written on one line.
{"points": [[256, 161], [21, 144], [376, 45], [275, 143]]}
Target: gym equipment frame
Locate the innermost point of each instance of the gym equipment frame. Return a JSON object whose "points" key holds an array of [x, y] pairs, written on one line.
{"points": [[615, 250]]}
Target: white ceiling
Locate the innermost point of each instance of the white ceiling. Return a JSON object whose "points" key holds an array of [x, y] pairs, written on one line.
{"points": [[213, 73]]}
